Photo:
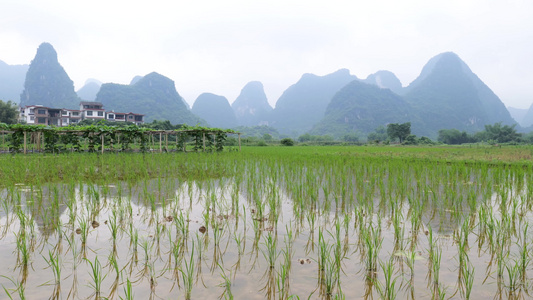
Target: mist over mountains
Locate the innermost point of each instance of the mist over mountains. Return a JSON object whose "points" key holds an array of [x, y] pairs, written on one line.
{"points": [[89, 90], [215, 110], [153, 95], [12, 81], [362, 107], [447, 94], [304, 103], [251, 106]]}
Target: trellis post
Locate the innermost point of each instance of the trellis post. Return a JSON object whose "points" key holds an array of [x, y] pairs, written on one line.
{"points": [[160, 143]]}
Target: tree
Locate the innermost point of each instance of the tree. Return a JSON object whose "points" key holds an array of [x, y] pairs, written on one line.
{"points": [[379, 134], [308, 138], [400, 131], [351, 137], [8, 112], [454, 137], [502, 134], [267, 137], [410, 140], [287, 142]]}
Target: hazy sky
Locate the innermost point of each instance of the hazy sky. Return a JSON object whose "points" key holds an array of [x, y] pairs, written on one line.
{"points": [[218, 46]]}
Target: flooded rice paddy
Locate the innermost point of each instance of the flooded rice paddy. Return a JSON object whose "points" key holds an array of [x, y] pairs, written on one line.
{"points": [[297, 227]]}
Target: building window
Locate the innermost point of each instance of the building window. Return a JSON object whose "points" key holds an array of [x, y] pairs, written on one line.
{"points": [[111, 116], [138, 118], [100, 113], [89, 113], [32, 118], [41, 120], [130, 117], [64, 112], [86, 106], [32, 110], [41, 112], [75, 113]]}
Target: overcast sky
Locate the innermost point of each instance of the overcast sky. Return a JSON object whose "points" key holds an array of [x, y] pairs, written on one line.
{"points": [[218, 46]]}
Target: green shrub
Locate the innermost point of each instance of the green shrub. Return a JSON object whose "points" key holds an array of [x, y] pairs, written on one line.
{"points": [[287, 142]]}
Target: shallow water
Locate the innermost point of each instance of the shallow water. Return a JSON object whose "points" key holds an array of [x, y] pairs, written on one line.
{"points": [[241, 213]]}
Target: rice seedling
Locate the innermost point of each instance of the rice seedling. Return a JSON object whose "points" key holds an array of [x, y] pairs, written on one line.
{"points": [[523, 254], [23, 252], [97, 276], [113, 227], [187, 273], [387, 290], [271, 252], [283, 278], [381, 196], [468, 280], [54, 263], [372, 242], [128, 291]]}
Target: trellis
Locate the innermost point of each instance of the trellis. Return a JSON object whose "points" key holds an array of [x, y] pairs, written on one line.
{"points": [[26, 139]]}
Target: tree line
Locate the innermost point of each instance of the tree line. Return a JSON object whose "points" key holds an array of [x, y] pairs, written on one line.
{"points": [[496, 133], [393, 132]]}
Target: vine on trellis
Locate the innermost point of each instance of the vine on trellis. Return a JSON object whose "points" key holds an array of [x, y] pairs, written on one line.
{"points": [[98, 138]]}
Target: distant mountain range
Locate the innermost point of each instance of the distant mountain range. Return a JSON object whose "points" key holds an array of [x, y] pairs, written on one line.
{"points": [[304, 103], [215, 110], [12, 81], [361, 107], [153, 95], [524, 116], [251, 106], [89, 90], [446, 95]]}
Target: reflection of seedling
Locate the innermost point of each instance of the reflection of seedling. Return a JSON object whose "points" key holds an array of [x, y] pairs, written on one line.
{"points": [[226, 284], [19, 288]]}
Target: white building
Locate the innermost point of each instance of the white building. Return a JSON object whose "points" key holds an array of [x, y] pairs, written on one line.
{"points": [[41, 115], [137, 119]]}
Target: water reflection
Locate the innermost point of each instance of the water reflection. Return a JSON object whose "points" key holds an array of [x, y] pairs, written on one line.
{"points": [[300, 230]]}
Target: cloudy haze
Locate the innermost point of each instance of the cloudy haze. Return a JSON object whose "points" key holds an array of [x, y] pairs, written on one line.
{"points": [[219, 46]]}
